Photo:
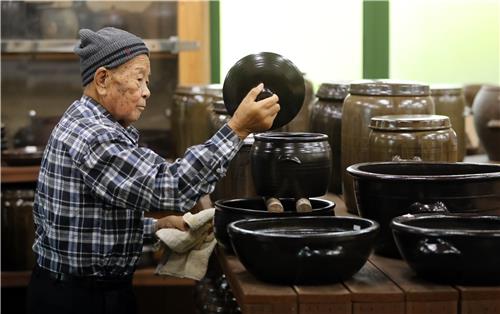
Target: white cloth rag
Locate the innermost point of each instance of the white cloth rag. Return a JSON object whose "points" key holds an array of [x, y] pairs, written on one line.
{"points": [[188, 251]]}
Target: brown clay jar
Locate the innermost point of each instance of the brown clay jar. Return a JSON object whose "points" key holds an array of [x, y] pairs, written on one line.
{"points": [[326, 118], [412, 137], [190, 114], [449, 101], [486, 112], [367, 99]]}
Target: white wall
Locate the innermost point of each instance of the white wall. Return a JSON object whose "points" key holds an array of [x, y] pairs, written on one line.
{"points": [[323, 38], [445, 41]]}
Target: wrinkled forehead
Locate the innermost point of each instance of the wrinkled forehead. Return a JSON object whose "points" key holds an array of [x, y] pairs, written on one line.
{"points": [[139, 64]]}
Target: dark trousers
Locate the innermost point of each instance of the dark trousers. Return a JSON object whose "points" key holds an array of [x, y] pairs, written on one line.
{"points": [[49, 295]]}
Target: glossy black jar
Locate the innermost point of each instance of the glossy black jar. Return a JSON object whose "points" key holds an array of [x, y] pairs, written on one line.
{"points": [[291, 164], [326, 118]]}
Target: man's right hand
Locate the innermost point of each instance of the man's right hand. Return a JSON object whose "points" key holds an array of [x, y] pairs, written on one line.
{"points": [[254, 116]]}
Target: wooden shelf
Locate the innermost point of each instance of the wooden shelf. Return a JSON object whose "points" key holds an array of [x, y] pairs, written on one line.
{"points": [[144, 277], [20, 174]]}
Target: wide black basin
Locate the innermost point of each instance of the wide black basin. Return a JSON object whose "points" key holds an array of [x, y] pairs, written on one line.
{"points": [[385, 190], [227, 211], [450, 249], [303, 250]]}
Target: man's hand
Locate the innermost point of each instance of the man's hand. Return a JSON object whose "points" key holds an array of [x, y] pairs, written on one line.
{"points": [[254, 116], [172, 221]]}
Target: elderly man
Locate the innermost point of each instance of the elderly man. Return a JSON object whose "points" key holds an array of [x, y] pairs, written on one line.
{"points": [[95, 182]]}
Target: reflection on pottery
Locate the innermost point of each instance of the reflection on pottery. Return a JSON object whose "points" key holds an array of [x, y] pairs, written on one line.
{"points": [[486, 111]]}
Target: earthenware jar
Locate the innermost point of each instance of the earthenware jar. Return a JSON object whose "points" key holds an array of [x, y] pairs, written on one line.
{"points": [[368, 99], [449, 101], [326, 118], [412, 137], [190, 114], [291, 164], [486, 111]]}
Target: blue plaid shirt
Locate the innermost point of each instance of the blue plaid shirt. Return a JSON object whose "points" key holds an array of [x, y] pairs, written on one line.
{"points": [[95, 183]]}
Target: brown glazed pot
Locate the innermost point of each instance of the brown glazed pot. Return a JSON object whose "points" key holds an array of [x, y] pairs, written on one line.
{"points": [[190, 114], [470, 92], [291, 164], [385, 190], [366, 100], [449, 101], [486, 111], [412, 137], [326, 118]]}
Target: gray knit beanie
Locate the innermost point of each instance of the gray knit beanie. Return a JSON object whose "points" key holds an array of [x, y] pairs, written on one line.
{"points": [[108, 47]]}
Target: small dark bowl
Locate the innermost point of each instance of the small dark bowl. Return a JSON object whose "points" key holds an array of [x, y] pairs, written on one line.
{"points": [[385, 190], [303, 250], [451, 249], [228, 211]]}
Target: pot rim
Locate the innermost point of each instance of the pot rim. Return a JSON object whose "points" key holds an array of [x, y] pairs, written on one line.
{"points": [[218, 204], [355, 171], [290, 137], [399, 224], [372, 227]]}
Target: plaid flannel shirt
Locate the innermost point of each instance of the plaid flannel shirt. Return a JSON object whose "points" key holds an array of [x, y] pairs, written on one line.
{"points": [[95, 183]]}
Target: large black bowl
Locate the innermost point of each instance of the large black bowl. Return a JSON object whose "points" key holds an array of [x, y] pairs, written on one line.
{"points": [[303, 250], [279, 75], [450, 249], [385, 190], [228, 211]]}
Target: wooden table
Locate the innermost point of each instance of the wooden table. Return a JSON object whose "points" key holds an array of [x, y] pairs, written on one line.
{"points": [[382, 286]]}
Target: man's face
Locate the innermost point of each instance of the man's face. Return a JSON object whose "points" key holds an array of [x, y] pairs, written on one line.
{"points": [[128, 90]]}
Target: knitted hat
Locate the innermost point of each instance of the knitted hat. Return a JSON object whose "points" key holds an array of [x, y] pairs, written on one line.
{"points": [[108, 47]]}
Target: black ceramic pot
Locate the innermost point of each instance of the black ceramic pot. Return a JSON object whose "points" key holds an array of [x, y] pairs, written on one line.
{"points": [[228, 211], [450, 249], [385, 190], [291, 164], [303, 250]]}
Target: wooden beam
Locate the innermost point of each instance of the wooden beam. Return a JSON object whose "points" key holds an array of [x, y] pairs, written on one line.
{"points": [[193, 24]]}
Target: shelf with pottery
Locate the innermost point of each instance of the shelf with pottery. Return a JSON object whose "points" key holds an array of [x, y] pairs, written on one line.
{"points": [[383, 285]]}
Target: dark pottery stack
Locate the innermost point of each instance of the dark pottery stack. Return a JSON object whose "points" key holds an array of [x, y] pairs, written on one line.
{"points": [[385, 190], [228, 211]]}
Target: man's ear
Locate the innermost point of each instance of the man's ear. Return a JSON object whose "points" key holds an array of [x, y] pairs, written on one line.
{"points": [[101, 80]]}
